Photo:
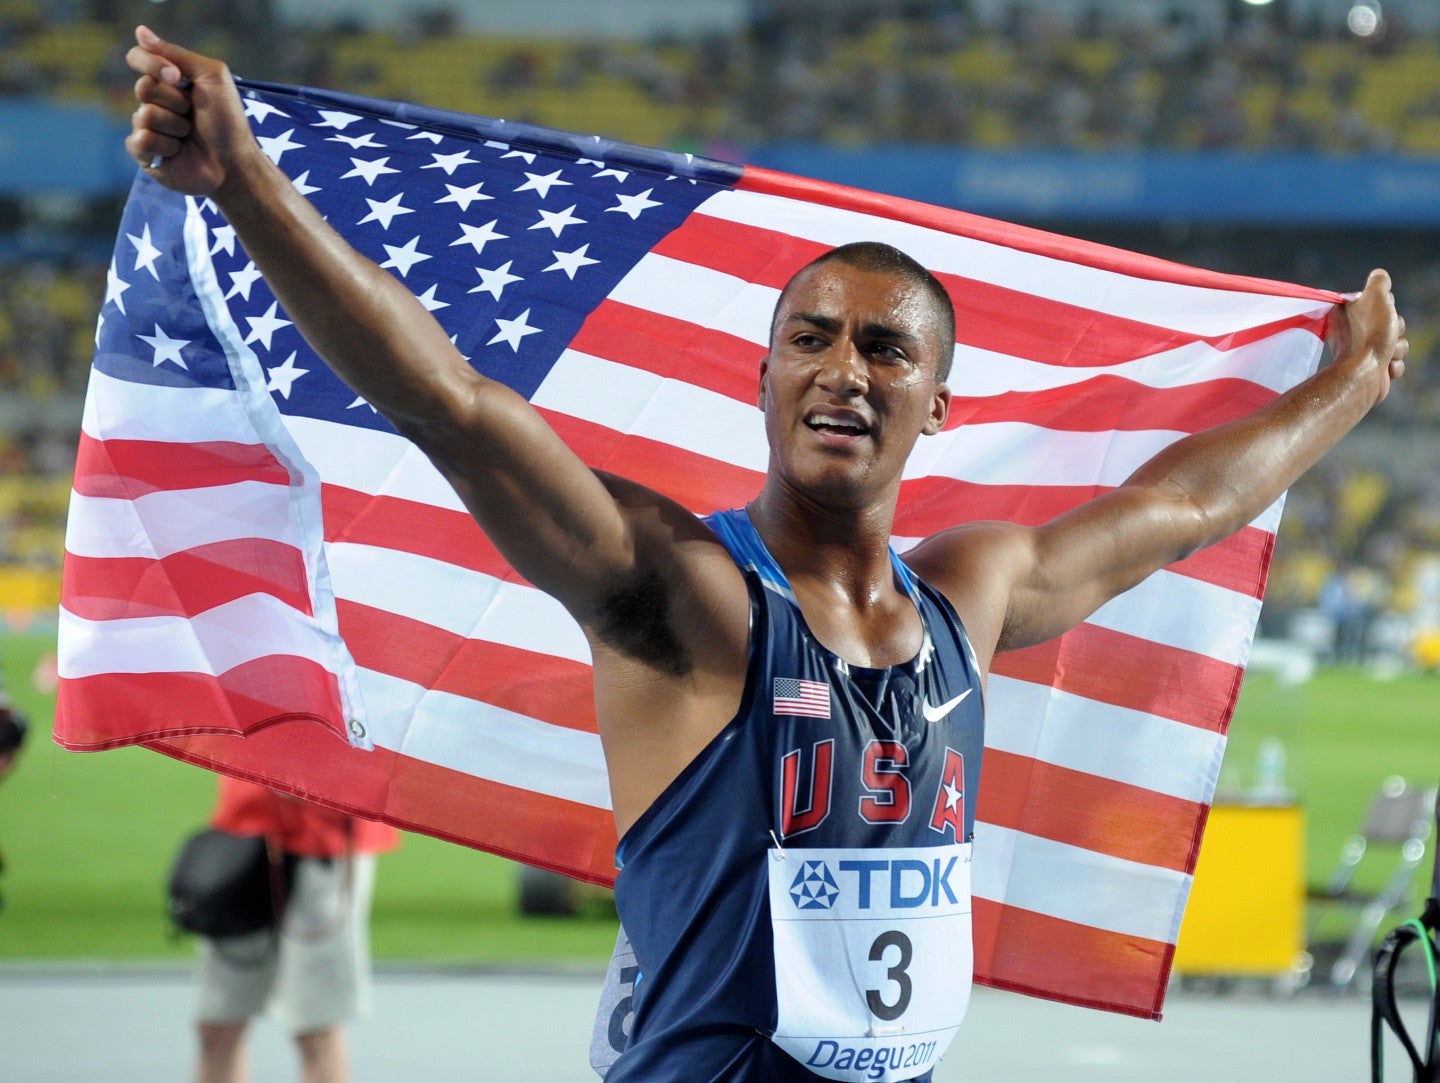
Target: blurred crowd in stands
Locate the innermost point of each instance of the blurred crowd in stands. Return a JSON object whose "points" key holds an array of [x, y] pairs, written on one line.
{"points": [[1360, 547]]}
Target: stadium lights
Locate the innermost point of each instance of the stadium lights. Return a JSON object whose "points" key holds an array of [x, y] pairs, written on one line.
{"points": [[1365, 20]]}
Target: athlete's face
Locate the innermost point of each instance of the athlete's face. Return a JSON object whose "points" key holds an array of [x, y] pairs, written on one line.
{"points": [[850, 381]]}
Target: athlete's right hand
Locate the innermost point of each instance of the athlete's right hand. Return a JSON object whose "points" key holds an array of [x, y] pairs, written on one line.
{"points": [[189, 131]]}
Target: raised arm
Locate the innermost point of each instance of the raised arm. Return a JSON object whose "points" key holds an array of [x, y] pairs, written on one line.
{"points": [[552, 517], [1017, 586]]}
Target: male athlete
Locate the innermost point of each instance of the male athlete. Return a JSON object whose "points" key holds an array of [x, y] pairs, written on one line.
{"points": [[780, 699]]}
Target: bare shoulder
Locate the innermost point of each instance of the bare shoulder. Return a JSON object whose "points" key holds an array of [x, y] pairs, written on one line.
{"points": [[683, 600], [670, 644], [976, 566]]}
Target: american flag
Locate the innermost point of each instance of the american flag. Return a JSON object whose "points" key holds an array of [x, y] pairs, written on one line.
{"points": [[252, 550], [795, 696]]}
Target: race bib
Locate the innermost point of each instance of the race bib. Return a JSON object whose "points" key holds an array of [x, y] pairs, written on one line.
{"points": [[611, 1031], [873, 957]]}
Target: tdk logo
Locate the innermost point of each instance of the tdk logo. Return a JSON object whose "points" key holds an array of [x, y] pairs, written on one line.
{"points": [[813, 887], [898, 884]]}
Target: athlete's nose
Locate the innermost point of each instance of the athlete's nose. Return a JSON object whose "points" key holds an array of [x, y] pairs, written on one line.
{"points": [[844, 373]]}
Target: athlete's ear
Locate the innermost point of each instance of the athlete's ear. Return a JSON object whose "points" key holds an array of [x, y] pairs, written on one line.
{"points": [[939, 411], [764, 372]]}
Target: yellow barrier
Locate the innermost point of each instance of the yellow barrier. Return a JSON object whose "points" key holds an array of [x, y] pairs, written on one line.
{"points": [[28, 589], [1246, 915]]}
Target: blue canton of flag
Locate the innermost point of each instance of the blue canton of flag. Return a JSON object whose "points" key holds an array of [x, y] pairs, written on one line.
{"points": [[510, 240]]}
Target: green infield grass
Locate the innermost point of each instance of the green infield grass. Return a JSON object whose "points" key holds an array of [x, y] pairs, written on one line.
{"points": [[87, 838]]}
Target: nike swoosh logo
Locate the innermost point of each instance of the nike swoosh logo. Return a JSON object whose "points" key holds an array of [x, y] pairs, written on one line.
{"points": [[934, 714]]}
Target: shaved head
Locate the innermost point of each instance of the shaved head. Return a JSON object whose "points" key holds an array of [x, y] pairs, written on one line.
{"points": [[884, 258]]}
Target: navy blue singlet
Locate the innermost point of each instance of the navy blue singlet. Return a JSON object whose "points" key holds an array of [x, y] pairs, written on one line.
{"points": [[821, 754]]}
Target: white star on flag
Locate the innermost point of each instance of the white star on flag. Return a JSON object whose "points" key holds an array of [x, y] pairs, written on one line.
{"points": [[570, 262], [451, 162], [428, 300], [479, 236], [463, 196], [224, 240], [145, 252], [558, 220], [620, 175], [512, 331], [356, 142], [371, 171], [635, 206], [283, 377], [303, 185], [275, 146], [402, 259], [385, 213], [115, 288], [262, 328], [494, 281], [166, 348], [242, 280], [542, 184], [337, 120], [526, 155], [262, 111]]}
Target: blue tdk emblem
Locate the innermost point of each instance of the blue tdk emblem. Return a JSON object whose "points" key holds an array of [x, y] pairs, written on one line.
{"points": [[813, 887]]}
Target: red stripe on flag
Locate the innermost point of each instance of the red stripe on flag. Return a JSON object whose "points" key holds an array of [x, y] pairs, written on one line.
{"points": [[1127, 671], [1022, 238], [987, 316], [932, 504], [409, 526], [542, 686], [132, 468], [675, 349], [1088, 811], [114, 709], [1080, 964], [699, 483], [728, 365], [412, 794], [186, 583], [1113, 403]]}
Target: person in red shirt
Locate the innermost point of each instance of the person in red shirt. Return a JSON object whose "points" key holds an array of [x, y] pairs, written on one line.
{"points": [[313, 971]]}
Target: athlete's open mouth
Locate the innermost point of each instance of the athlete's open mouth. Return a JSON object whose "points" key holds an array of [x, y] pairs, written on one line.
{"points": [[841, 424]]}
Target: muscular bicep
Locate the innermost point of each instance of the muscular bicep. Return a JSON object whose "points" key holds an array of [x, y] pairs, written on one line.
{"points": [[1016, 586], [551, 516]]}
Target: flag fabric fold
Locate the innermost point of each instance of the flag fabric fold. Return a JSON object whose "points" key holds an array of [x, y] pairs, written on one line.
{"points": [[261, 577]]}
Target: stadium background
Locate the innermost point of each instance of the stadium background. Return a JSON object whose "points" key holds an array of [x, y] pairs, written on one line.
{"points": [[1298, 140]]}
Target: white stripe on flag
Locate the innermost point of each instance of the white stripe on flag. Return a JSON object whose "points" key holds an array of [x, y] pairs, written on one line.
{"points": [[165, 522], [119, 410], [1272, 363], [458, 600], [667, 411], [1129, 746], [1194, 309], [1187, 613], [699, 295], [371, 461], [212, 642], [483, 740], [1118, 895], [1016, 453]]}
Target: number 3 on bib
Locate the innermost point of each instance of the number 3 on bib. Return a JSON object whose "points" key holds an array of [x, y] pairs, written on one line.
{"points": [[873, 957]]}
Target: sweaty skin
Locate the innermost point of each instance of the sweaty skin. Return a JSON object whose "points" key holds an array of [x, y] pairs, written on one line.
{"points": [[851, 380]]}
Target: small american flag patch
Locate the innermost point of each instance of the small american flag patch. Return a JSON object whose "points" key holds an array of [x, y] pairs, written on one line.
{"points": [[800, 697]]}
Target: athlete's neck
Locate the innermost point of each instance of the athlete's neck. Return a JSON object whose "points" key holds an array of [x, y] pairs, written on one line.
{"points": [[846, 550]]}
